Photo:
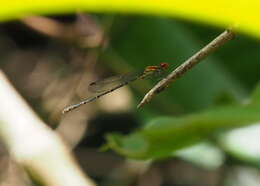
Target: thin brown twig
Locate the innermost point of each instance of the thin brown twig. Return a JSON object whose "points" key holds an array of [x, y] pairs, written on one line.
{"points": [[187, 65]]}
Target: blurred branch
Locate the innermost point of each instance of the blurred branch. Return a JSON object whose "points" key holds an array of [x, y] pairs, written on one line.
{"points": [[85, 32], [32, 144], [47, 26], [187, 65]]}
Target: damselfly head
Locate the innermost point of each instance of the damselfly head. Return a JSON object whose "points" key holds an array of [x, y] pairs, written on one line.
{"points": [[164, 65]]}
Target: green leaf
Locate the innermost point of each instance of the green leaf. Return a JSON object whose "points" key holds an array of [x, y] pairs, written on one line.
{"points": [[256, 95], [225, 98], [165, 135]]}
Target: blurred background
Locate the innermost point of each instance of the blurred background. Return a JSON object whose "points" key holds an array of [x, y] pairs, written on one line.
{"points": [[52, 60]]}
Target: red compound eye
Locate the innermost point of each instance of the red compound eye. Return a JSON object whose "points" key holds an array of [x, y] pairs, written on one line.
{"points": [[164, 65]]}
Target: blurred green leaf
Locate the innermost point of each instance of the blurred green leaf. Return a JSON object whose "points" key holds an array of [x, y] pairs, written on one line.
{"points": [[256, 95], [165, 135], [225, 98]]}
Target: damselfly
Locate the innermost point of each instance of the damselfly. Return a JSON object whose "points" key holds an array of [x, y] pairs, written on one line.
{"points": [[108, 85]]}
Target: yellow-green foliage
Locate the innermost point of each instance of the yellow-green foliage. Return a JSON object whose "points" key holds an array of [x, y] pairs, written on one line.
{"points": [[242, 14]]}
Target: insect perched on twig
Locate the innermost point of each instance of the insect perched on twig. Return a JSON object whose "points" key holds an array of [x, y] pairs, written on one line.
{"points": [[110, 84]]}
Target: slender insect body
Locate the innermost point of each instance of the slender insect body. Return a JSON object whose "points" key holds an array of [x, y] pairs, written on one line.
{"points": [[92, 98], [125, 80]]}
